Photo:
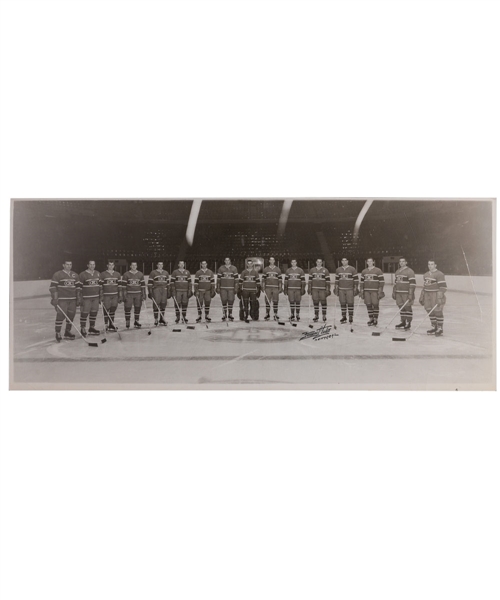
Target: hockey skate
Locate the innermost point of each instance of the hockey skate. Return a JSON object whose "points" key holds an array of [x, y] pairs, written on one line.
{"points": [[198, 320], [297, 317], [343, 320], [375, 322], [439, 332], [432, 331], [324, 318], [137, 325], [94, 331], [208, 319], [350, 320], [370, 323], [267, 317], [316, 318], [400, 325], [162, 321], [83, 331], [407, 326], [177, 319], [58, 336], [231, 318], [156, 322], [69, 336], [127, 324], [111, 327]]}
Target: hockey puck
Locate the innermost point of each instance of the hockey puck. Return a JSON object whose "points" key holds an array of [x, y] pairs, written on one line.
{"points": [[311, 326], [294, 324], [104, 341], [149, 332]]}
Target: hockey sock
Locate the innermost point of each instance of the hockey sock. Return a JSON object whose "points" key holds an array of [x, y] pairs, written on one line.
{"points": [[275, 307], [207, 310], [127, 314], [344, 310], [369, 308], [230, 309], [297, 308], [58, 326], [106, 319], [112, 316], [323, 309], [137, 312], [316, 309], [440, 322], [292, 308], [68, 326], [351, 310], [93, 318], [155, 312], [83, 319], [375, 312]]}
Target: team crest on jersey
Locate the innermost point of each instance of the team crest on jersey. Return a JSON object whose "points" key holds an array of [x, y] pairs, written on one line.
{"points": [[369, 277], [134, 281], [68, 282], [92, 282], [344, 275], [428, 281]]}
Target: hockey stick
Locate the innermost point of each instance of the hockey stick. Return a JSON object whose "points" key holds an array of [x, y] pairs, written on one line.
{"points": [[159, 310], [379, 333], [104, 340], [355, 312], [472, 283], [200, 309], [405, 339], [269, 303], [334, 310], [311, 326], [94, 345], [147, 315], [111, 321]]}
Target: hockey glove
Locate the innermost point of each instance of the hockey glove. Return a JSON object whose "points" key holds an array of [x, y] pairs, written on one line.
{"points": [[336, 290], [309, 289], [212, 292], [169, 292], [120, 298], [144, 295], [54, 302], [421, 299], [328, 291], [356, 290], [150, 295], [190, 293], [381, 294], [286, 290], [238, 293], [394, 294], [411, 300], [78, 300], [441, 299], [303, 290]]}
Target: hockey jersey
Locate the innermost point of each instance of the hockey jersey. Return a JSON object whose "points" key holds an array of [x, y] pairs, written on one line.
{"points": [[345, 277], [133, 283], [110, 282], [204, 279], [64, 284], [271, 277], [228, 277], [295, 278], [90, 284], [319, 278], [158, 278], [404, 281], [181, 280], [434, 282], [249, 280], [372, 279]]}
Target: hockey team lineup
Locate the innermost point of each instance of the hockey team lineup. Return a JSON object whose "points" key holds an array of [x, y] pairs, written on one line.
{"points": [[93, 292]]}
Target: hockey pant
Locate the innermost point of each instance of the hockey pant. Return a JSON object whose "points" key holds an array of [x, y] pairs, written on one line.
{"points": [[90, 306], [69, 307], [346, 299], [204, 300], [181, 298], [372, 303], [250, 304], [159, 294], [437, 317], [227, 299], [133, 300], [272, 295], [110, 303], [319, 297], [407, 312], [294, 297]]}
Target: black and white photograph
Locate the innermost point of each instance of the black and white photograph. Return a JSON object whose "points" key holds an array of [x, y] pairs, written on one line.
{"points": [[240, 293]]}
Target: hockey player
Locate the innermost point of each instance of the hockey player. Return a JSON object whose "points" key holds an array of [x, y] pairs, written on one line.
{"points": [[403, 293], [272, 286], [227, 287], [371, 288], [319, 287], [64, 294], [433, 293], [346, 287], [295, 288], [90, 287], [134, 293], [249, 285], [181, 286], [204, 290], [159, 292], [112, 294]]}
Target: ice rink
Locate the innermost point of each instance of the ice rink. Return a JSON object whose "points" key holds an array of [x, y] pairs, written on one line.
{"points": [[266, 354]]}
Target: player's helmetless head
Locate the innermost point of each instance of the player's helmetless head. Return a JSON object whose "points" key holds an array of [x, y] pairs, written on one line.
{"points": [[319, 262], [345, 262], [432, 265], [159, 265], [227, 262], [133, 266], [272, 261], [203, 264], [249, 263], [67, 264], [91, 265], [402, 262], [370, 262], [294, 262], [110, 265], [181, 264]]}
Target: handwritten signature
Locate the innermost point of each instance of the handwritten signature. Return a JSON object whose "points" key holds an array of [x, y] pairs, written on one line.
{"points": [[322, 333]]}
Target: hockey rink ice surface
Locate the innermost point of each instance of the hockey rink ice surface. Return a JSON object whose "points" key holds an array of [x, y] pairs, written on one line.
{"points": [[260, 353]]}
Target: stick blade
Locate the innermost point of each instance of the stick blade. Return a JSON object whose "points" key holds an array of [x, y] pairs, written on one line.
{"points": [[399, 339], [103, 341], [93, 345], [176, 330], [191, 327], [376, 333], [280, 323], [311, 326]]}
